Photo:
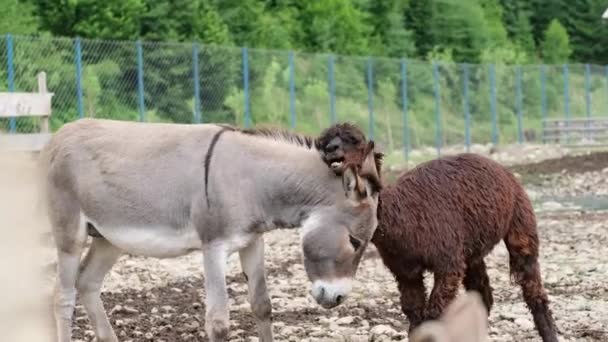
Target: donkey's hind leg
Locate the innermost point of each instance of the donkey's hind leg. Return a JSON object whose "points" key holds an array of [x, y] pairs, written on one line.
{"points": [[522, 244], [99, 260], [70, 236], [252, 262], [476, 278]]}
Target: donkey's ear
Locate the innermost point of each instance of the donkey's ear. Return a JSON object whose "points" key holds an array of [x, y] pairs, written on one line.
{"points": [[464, 320]]}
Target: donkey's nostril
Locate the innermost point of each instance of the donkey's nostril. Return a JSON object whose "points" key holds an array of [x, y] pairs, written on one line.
{"points": [[339, 299]]}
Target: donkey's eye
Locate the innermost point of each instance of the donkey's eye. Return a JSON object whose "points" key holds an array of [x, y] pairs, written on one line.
{"points": [[354, 242]]}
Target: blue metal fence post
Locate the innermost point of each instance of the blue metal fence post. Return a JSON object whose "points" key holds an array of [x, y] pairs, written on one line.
{"points": [[543, 92], [438, 134], [292, 90], [493, 104], [588, 89], [78, 59], [332, 88], [588, 95], [406, 130], [11, 75], [566, 98], [518, 104], [196, 80], [140, 81], [606, 72], [370, 96], [467, 114], [246, 87]]}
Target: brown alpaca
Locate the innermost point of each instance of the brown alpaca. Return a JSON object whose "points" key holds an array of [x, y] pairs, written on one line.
{"points": [[445, 216]]}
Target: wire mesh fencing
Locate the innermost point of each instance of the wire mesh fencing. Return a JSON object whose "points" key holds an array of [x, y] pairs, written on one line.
{"points": [[403, 104]]}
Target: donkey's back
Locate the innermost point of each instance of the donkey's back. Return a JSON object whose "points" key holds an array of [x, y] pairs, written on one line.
{"points": [[125, 175]]}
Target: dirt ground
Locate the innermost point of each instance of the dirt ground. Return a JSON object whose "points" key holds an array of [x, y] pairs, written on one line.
{"points": [[587, 162], [163, 300]]}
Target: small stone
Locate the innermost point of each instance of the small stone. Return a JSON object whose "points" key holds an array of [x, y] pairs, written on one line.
{"points": [[552, 205], [116, 309], [381, 330], [130, 310], [148, 336], [524, 323], [192, 326], [197, 305], [345, 320]]}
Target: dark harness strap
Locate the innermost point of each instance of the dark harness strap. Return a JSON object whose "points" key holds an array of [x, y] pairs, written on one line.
{"points": [[214, 140]]}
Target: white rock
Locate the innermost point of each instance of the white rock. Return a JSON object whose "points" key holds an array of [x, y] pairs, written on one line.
{"points": [[524, 323], [552, 205], [345, 320], [380, 330]]}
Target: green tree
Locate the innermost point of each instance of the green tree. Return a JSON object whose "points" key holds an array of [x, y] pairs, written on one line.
{"points": [[17, 17], [493, 13], [459, 26], [417, 19], [585, 29], [389, 36], [335, 25], [555, 46], [522, 35], [109, 19], [541, 14]]}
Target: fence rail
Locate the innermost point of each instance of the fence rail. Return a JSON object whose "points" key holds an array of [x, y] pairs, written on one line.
{"points": [[403, 104]]}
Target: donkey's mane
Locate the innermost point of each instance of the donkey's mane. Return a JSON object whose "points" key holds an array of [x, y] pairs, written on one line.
{"points": [[281, 134]]}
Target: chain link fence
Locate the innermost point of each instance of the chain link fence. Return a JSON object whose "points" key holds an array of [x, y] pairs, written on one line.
{"points": [[403, 104]]}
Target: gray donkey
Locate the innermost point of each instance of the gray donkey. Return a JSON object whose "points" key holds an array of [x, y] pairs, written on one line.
{"points": [[163, 190]]}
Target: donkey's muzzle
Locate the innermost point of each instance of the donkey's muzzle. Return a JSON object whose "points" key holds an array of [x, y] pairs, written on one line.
{"points": [[330, 294]]}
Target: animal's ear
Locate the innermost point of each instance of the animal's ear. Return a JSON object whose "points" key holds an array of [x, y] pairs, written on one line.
{"points": [[350, 180], [371, 166], [465, 320]]}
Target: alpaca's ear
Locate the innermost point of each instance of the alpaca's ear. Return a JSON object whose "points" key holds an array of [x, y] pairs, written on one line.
{"points": [[350, 180]]}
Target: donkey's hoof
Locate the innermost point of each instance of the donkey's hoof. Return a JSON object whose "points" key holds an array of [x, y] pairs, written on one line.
{"points": [[219, 331]]}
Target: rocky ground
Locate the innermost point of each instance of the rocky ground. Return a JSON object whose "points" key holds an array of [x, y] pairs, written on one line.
{"points": [[163, 300]]}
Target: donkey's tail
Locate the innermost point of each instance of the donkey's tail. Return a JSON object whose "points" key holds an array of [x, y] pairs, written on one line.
{"points": [[522, 243]]}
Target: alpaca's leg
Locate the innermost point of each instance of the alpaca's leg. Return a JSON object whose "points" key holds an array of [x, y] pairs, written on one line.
{"points": [[413, 297], [444, 291], [99, 260], [522, 243], [476, 278]]}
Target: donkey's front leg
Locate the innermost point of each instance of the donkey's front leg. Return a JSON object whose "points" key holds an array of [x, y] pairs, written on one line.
{"points": [[216, 316], [252, 262]]}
